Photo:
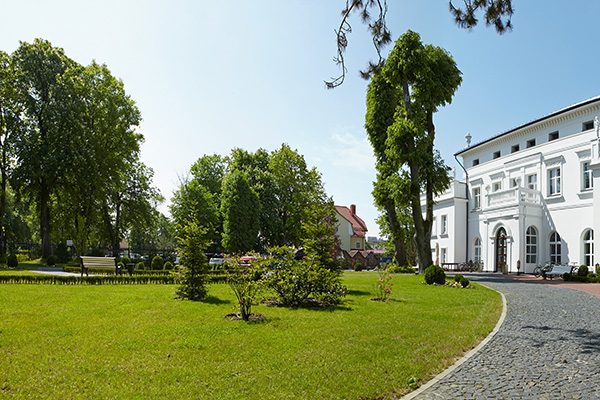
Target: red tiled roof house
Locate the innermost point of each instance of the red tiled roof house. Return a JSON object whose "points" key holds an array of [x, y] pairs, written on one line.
{"points": [[351, 229]]}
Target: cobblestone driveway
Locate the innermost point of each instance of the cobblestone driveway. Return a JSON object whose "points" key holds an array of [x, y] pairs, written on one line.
{"points": [[547, 348]]}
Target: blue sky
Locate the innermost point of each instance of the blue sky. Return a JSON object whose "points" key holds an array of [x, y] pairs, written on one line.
{"points": [[212, 75]]}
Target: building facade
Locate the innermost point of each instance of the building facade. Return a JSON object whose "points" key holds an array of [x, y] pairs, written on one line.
{"points": [[528, 195], [350, 229]]}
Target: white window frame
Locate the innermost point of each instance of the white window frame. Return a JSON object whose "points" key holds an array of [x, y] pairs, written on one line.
{"points": [[532, 181], [476, 194], [477, 250], [531, 245], [587, 183], [496, 186], [588, 248], [555, 248], [443, 255], [554, 181], [444, 225]]}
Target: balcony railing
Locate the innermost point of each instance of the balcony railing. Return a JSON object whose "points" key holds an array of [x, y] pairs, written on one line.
{"points": [[514, 196]]}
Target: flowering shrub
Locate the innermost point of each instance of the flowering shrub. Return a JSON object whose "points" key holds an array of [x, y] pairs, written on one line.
{"points": [[383, 287], [245, 279]]}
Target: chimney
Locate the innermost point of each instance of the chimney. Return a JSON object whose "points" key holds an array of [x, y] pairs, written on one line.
{"points": [[353, 209]]}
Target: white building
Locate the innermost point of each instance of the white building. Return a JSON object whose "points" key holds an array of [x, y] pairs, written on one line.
{"points": [[531, 195]]}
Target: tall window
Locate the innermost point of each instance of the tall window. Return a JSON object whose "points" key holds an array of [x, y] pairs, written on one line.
{"points": [[496, 186], [553, 181], [476, 198], [477, 250], [586, 176], [532, 181], [588, 248], [444, 256], [444, 222], [555, 250], [531, 245]]}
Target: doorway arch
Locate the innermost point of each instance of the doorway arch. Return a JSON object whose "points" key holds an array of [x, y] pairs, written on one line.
{"points": [[500, 251]]}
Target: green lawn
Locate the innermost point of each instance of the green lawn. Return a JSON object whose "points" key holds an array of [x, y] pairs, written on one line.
{"points": [[130, 342]]}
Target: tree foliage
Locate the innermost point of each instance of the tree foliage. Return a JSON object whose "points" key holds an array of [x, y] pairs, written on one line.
{"points": [[496, 12], [241, 212], [194, 266], [404, 94]]}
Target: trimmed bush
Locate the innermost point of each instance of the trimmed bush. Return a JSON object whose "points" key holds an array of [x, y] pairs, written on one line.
{"points": [[51, 261], [140, 266], [125, 260], [457, 278], [583, 270], [464, 282], [168, 265], [435, 274], [61, 253], [12, 261], [158, 263]]}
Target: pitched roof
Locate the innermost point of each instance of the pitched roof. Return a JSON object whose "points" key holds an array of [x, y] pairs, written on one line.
{"points": [[358, 225]]}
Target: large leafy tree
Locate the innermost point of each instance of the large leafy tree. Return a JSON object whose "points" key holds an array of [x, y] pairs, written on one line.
{"points": [[44, 147], [497, 13], [241, 214], [418, 79]]}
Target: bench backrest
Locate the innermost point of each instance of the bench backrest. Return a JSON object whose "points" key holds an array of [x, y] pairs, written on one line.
{"points": [[561, 269], [98, 262]]}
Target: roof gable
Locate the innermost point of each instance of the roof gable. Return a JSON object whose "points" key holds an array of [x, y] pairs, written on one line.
{"points": [[358, 225]]}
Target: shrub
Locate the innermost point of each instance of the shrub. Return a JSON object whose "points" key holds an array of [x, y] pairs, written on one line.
{"points": [[457, 278], [583, 270], [246, 282], [125, 260], [140, 266], [464, 282], [168, 265], [51, 260], [194, 266], [435, 274], [300, 283], [597, 269], [61, 252], [358, 266], [12, 261], [383, 287], [158, 263], [403, 269]]}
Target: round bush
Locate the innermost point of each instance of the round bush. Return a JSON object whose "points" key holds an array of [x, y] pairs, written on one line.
{"points": [[12, 261], [358, 266], [464, 282], [583, 270], [168, 265], [51, 260], [457, 278], [435, 274], [158, 263], [140, 266]]}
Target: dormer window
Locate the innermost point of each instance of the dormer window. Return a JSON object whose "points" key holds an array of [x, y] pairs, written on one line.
{"points": [[552, 136], [476, 162], [586, 126], [497, 154], [514, 149], [530, 143]]}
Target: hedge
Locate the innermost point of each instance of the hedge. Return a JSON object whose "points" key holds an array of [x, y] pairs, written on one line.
{"points": [[98, 280]]}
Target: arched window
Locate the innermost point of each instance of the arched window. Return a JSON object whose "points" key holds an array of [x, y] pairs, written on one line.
{"points": [[531, 245], [477, 250], [555, 250], [588, 248]]}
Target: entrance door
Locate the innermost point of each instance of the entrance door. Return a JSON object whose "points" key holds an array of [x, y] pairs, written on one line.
{"points": [[500, 250]]}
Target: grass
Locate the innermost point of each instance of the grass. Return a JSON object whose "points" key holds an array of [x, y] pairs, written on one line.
{"points": [[138, 342]]}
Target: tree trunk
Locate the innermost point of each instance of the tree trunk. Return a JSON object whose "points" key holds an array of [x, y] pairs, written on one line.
{"points": [[45, 219]]}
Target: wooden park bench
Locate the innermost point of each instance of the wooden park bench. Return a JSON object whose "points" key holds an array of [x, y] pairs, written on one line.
{"points": [[88, 262], [557, 271]]}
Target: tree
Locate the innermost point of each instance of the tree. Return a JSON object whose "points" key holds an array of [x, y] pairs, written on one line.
{"points": [[194, 271], [192, 202], [241, 214], [321, 243], [44, 145], [419, 78], [496, 12]]}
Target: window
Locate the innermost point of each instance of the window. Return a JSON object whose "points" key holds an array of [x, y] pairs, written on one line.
{"points": [[553, 181], [555, 251], [586, 126], [531, 245], [530, 143], [496, 186], [476, 198], [588, 248], [443, 256], [476, 162], [532, 181], [514, 149], [586, 176], [477, 250], [444, 222], [358, 245], [497, 154], [514, 182], [552, 136]]}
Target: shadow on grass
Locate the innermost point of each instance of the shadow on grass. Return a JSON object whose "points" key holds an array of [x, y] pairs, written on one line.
{"points": [[359, 293], [215, 300]]}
